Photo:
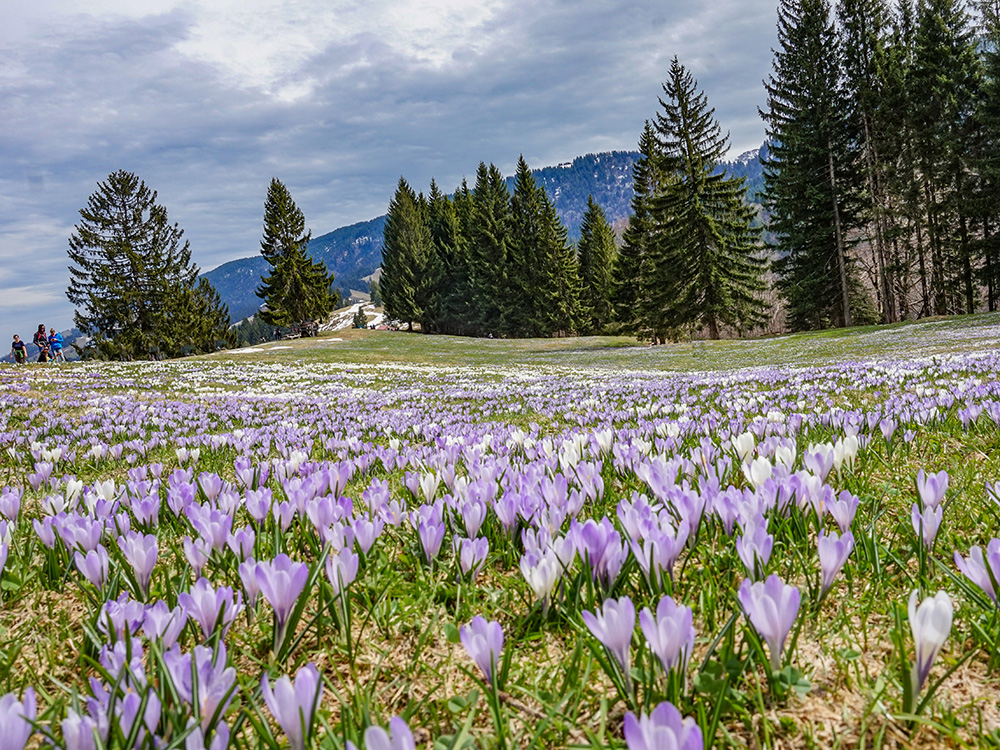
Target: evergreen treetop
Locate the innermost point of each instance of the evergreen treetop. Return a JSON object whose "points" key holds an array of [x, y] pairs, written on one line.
{"points": [[297, 289]]}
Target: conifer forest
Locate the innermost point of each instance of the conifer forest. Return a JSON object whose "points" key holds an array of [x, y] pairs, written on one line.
{"points": [[881, 200]]}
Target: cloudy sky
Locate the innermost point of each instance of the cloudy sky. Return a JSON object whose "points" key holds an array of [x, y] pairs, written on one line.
{"points": [[206, 100]]}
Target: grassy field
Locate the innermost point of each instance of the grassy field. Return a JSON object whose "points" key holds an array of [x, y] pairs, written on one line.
{"points": [[343, 508], [922, 338]]}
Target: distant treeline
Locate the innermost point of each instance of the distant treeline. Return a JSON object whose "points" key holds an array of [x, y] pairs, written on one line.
{"points": [[493, 262]]}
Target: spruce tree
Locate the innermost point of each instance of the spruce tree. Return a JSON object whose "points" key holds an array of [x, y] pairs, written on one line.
{"points": [[703, 266], [596, 253], [988, 154], [131, 276], [906, 236], [447, 267], [647, 180], [460, 306], [406, 247], [864, 32], [811, 167], [489, 227], [526, 296], [945, 83], [559, 304], [297, 289], [198, 321]]}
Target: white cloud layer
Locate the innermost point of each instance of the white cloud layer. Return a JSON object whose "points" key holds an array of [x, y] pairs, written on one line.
{"points": [[206, 100]]}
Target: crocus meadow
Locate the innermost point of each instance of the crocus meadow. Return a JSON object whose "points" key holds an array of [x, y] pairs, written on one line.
{"points": [[215, 554]]}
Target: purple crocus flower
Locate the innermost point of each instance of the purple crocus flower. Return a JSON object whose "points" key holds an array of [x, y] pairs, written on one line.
{"points": [[818, 459], [472, 555], [771, 607], [211, 607], [284, 514], [926, 524], [754, 546], [932, 488], [282, 581], [663, 729], [931, 624], [473, 514], [293, 705], [833, 553], [196, 737], [207, 678], [601, 545], [670, 633], [122, 616], [94, 565], [78, 731], [196, 552], [248, 577], [16, 719], [657, 554], [483, 640], [211, 484], [213, 525], [140, 550], [366, 531], [431, 536], [146, 509], [398, 737], [159, 622], [46, 531], [241, 542], [843, 510], [10, 503], [613, 626], [258, 503], [342, 569], [978, 568], [127, 710]]}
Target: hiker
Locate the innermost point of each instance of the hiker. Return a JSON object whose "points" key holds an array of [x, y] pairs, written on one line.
{"points": [[56, 346], [42, 342], [18, 351]]}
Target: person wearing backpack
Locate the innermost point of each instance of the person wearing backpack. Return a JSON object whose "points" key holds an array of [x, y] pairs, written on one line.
{"points": [[42, 342], [56, 346]]}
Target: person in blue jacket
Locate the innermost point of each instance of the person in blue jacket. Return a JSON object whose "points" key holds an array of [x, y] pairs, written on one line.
{"points": [[56, 346]]}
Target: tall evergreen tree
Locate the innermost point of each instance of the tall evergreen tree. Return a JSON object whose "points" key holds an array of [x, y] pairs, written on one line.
{"points": [[130, 275], [703, 257], [489, 227], [560, 302], [865, 28], [945, 83], [199, 321], [526, 294], [811, 164], [406, 246], [597, 253], [905, 230], [297, 289], [988, 153], [447, 271], [460, 301], [647, 180]]}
